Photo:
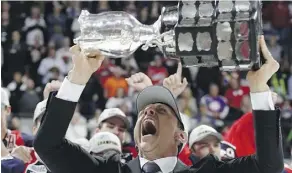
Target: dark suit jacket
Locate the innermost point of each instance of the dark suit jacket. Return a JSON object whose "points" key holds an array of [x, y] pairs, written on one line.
{"points": [[62, 156]]}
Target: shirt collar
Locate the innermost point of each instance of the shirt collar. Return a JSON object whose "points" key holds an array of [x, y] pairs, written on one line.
{"points": [[166, 164]]}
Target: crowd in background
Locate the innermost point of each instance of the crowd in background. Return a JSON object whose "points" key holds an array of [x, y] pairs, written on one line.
{"points": [[36, 37]]}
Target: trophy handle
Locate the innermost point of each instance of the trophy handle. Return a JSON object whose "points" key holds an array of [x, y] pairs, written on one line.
{"points": [[158, 41]]}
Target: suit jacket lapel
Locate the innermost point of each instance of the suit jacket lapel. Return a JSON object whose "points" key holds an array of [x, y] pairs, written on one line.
{"points": [[134, 165]]}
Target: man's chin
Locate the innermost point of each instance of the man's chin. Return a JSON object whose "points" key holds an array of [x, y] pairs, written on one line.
{"points": [[148, 142]]}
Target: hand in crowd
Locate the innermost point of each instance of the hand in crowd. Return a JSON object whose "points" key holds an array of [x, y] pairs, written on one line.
{"points": [[50, 87], [258, 79], [22, 153], [139, 81], [175, 83], [84, 65]]}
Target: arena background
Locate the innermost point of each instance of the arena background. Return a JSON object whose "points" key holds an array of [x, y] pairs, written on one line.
{"points": [[36, 36]]}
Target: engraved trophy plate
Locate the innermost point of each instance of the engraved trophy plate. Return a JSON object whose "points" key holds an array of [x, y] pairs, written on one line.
{"points": [[225, 32]]}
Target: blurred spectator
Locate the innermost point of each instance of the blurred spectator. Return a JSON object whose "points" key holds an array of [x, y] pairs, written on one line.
{"points": [[63, 54], [117, 100], [287, 111], [77, 128], [29, 99], [15, 58], [57, 25], [235, 93], [275, 48], [144, 16], [105, 71], [103, 6], [187, 103], [113, 83], [15, 123], [5, 7], [6, 28], [279, 10], [290, 84], [205, 77], [131, 8], [279, 81], [93, 123], [246, 104], [126, 107], [213, 104], [37, 52], [155, 10], [157, 72], [51, 66], [73, 9], [75, 28], [130, 64], [16, 88], [2, 56], [34, 26]]}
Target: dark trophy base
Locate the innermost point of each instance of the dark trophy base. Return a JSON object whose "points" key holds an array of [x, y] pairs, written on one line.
{"points": [[223, 34]]}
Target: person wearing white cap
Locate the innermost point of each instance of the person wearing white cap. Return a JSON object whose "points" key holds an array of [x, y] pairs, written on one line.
{"points": [[205, 140], [5, 112], [11, 138], [103, 142], [115, 121]]}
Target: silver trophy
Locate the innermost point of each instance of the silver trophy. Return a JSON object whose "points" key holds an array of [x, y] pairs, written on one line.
{"points": [[115, 33], [199, 33]]}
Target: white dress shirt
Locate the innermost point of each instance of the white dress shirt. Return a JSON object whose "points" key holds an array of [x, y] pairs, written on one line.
{"points": [[72, 92], [166, 164]]}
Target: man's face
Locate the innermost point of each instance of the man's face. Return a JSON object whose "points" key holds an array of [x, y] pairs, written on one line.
{"points": [[156, 132], [114, 125], [209, 145], [214, 90], [234, 83]]}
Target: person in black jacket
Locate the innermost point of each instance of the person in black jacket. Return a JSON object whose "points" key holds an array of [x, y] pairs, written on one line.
{"points": [[159, 131]]}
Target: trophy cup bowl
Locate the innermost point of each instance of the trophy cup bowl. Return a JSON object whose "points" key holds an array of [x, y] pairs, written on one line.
{"points": [[116, 33]]}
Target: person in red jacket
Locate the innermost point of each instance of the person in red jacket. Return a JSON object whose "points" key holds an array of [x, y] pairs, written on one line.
{"points": [[13, 138], [241, 135]]}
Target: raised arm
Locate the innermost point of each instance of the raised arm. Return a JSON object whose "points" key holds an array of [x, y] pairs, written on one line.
{"points": [[269, 152], [59, 154]]}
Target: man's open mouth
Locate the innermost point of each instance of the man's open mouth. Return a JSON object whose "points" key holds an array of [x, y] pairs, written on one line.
{"points": [[148, 127]]}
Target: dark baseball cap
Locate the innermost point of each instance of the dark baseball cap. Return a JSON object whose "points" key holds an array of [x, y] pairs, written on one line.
{"points": [[158, 94]]}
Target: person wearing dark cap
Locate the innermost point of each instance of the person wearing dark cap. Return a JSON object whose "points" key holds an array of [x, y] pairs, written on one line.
{"points": [[159, 131]]}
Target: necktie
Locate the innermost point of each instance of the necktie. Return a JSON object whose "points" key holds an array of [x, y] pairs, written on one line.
{"points": [[151, 167]]}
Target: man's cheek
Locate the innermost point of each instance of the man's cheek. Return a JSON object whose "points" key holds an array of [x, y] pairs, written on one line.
{"points": [[204, 151]]}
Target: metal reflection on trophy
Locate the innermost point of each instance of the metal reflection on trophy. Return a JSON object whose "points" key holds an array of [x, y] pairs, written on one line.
{"points": [[233, 27]]}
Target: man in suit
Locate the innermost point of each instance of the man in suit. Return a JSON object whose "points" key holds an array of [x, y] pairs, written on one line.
{"points": [[159, 131]]}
